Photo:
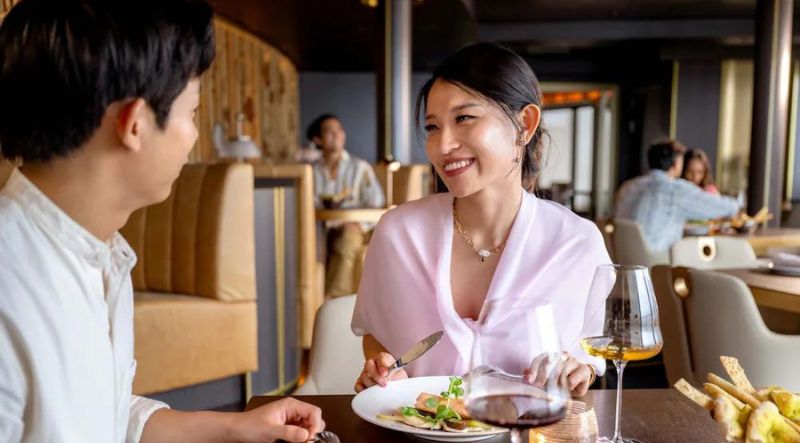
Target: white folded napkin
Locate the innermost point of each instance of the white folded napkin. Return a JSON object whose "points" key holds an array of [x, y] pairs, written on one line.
{"points": [[782, 258]]}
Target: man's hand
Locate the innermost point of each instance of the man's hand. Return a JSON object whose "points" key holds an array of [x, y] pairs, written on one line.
{"points": [[288, 419]]}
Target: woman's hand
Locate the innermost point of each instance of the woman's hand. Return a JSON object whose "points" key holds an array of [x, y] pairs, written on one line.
{"points": [[376, 372], [572, 373]]}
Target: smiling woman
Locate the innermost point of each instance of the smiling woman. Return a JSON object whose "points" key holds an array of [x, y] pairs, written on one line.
{"points": [[436, 262]]}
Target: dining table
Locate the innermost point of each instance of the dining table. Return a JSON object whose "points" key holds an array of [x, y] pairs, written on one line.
{"points": [[652, 415], [762, 239], [769, 289]]}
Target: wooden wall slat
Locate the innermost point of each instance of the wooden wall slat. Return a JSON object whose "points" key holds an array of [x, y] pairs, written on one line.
{"points": [[251, 77]]}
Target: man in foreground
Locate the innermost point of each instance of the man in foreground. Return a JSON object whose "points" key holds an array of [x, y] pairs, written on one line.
{"points": [[97, 98]]}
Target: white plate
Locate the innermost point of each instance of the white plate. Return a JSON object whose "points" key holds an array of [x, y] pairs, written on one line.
{"points": [[791, 271], [368, 403]]}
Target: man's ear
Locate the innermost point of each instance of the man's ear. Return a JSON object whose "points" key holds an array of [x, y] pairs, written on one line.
{"points": [[129, 123], [317, 140]]}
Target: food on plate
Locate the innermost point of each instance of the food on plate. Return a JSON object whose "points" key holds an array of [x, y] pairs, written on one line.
{"points": [[788, 404], [731, 417], [767, 425], [743, 413], [445, 412]]}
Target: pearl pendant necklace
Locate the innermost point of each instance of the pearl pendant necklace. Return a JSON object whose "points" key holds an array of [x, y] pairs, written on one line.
{"points": [[483, 253]]}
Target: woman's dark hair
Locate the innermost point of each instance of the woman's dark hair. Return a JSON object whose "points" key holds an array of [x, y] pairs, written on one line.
{"points": [[663, 153], [63, 62], [698, 154], [315, 128], [502, 77]]}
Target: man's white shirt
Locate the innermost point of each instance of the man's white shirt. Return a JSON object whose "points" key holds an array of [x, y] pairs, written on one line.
{"points": [[66, 327]]}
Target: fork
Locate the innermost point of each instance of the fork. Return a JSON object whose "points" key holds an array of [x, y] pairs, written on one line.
{"points": [[326, 437], [486, 369]]}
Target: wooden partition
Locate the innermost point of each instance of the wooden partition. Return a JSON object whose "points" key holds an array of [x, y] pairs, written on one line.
{"points": [[251, 77]]}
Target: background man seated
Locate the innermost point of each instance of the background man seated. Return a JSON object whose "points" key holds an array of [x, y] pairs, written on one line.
{"points": [[342, 181], [661, 203]]}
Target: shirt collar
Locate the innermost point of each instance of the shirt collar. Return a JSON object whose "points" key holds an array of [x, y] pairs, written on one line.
{"points": [[660, 173], [67, 231]]}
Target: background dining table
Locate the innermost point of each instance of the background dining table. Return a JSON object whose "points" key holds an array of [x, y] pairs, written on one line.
{"points": [[765, 238], [653, 415], [769, 289]]}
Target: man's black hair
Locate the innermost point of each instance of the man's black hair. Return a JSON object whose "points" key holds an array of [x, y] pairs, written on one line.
{"points": [[315, 128], [662, 154], [63, 62]]}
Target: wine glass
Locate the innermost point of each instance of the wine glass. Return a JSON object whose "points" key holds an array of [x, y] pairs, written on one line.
{"points": [[630, 329], [521, 389]]}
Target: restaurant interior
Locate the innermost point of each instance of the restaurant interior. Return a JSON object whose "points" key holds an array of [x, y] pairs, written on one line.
{"points": [[239, 299]]}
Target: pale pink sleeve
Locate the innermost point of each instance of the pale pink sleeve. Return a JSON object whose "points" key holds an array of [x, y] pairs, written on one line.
{"points": [[594, 311], [368, 311]]}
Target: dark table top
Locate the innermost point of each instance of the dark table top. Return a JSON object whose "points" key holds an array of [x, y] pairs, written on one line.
{"points": [[651, 415]]}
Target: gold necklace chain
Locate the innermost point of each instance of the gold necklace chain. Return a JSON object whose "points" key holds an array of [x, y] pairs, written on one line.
{"points": [[482, 252]]}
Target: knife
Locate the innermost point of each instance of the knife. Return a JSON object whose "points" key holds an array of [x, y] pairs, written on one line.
{"points": [[416, 351]]}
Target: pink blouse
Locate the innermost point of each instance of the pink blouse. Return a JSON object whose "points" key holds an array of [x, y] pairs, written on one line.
{"points": [[550, 257]]}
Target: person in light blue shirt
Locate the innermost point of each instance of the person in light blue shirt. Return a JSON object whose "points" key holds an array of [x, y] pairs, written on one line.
{"points": [[661, 202]]}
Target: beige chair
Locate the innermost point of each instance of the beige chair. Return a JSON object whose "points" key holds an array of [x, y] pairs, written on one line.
{"points": [[713, 253], [336, 353], [705, 315], [630, 247], [606, 227], [676, 355], [194, 282]]}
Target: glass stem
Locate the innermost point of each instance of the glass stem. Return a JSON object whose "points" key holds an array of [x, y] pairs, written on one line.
{"points": [[516, 435], [620, 365]]}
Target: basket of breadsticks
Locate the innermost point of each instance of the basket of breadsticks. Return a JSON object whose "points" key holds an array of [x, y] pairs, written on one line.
{"points": [[744, 413]]}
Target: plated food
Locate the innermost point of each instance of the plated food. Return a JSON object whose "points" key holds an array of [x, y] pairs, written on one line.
{"points": [[446, 411], [389, 401], [744, 413], [741, 223]]}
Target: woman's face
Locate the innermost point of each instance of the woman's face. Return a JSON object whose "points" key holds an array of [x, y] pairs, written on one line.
{"points": [[470, 142], [695, 171]]}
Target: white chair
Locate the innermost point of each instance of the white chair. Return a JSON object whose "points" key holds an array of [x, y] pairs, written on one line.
{"points": [[713, 253], [630, 247], [606, 227], [336, 357], [718, 316]]}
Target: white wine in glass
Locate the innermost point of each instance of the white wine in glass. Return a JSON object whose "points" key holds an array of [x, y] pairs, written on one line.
{"points": [[630, 329]]}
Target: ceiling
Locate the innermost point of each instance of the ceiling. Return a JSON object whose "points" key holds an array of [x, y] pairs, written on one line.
{"points": [[346, 35], [494, 11]]}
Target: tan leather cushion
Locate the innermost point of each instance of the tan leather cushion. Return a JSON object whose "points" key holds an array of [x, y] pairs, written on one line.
{"points": [[199, 241], [183, 340]]}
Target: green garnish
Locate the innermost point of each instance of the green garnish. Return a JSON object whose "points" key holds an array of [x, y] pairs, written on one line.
{"points": [[443, 411], [409, 412]]}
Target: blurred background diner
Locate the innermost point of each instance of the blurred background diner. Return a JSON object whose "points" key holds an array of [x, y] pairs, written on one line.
{"points": [[672, 125]]}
